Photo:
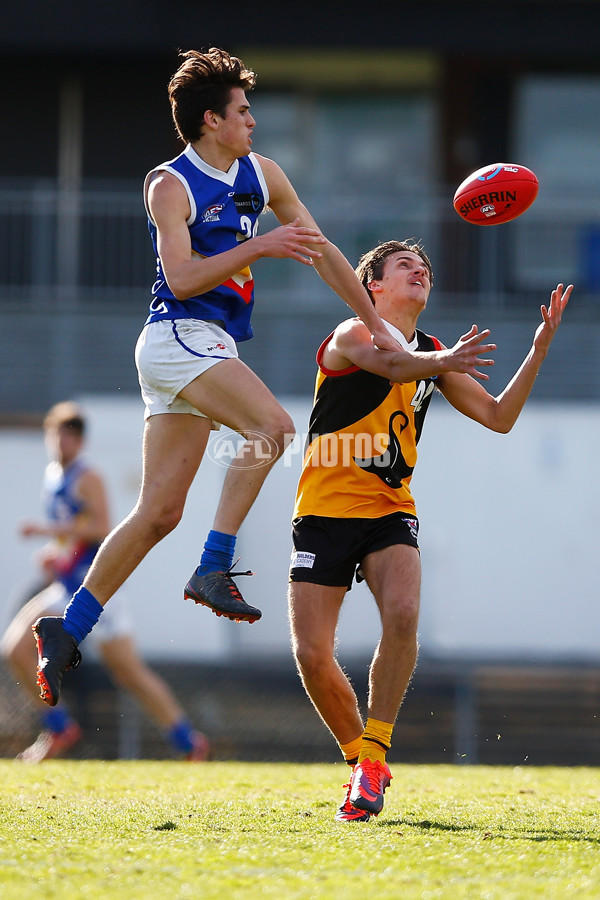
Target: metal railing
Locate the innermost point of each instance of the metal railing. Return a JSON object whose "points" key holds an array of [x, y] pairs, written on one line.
{"points": [[76, 268]]}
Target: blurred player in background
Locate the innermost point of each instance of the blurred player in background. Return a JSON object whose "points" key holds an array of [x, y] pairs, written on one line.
{"points": [[203, 210], [355, 514], [76, 522]]}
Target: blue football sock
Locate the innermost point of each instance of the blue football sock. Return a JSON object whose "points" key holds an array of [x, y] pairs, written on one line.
{"points": [[181, 736], [55, 720], [81, 614], [218, 553]]}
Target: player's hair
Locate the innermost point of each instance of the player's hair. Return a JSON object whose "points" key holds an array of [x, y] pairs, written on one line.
{"points": [[204, 81], [66, 415], [371, 264]]}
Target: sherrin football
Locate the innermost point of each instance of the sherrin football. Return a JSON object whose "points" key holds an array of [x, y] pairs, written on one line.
{"points": [[496, 194]]}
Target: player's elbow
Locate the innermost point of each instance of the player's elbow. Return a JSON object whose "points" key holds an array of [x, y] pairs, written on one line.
{"points": [[179, 290], [500, 425], [493, 416], [179, 283]]}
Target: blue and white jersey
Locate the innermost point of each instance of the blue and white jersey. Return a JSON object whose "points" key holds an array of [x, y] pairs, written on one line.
{"points": [[225, 207], [62, 504]]}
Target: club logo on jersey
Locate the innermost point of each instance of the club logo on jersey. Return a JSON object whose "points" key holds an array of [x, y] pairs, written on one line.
{"points": [[245, 203], [242, 284], [390, 466], [212, 213]]}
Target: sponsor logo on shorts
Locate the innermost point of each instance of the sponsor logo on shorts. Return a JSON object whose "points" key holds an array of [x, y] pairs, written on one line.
{"points": [[216, 347], [413, 527], [302, 560]]}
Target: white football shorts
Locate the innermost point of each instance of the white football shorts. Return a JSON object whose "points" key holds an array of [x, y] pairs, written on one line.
{"points": [[170, 354]]}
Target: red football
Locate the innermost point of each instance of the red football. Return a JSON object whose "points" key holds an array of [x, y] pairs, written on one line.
{"points": [[496, 194]]}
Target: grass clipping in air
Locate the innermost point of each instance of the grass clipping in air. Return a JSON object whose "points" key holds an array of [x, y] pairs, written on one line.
{"points": [[245, 830]]}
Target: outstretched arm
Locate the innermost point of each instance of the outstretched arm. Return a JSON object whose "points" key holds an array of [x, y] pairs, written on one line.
{"points": [[330, 262], [351, 344], [500, 413]]}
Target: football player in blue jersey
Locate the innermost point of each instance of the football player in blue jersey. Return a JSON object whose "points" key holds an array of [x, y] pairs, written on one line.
{"points": [[76, 522], [203, 209]]}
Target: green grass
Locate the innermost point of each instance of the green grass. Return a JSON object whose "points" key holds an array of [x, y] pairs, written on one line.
{"points": [[231, 830]]}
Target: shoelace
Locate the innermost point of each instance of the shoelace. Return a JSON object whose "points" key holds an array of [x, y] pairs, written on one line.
{"points": [[374, 773], [229, 575], [233, 574], [346, 802]]}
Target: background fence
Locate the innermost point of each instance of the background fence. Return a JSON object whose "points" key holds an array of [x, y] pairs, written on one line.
{"points": [[76, 270]]}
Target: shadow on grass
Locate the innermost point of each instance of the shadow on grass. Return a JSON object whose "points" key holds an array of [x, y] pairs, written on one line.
{"points": [[426, 825], [549, 834], [568, 834]]}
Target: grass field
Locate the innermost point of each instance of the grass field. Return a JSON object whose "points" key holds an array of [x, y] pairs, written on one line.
{"points": [[232, 830]]}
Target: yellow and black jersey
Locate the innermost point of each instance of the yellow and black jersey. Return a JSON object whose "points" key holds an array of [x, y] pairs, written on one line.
{"points": [[362, 442]]}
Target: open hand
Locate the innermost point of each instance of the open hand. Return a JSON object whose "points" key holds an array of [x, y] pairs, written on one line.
{"points": [[552, 316], [465, 356], [293, 241]]}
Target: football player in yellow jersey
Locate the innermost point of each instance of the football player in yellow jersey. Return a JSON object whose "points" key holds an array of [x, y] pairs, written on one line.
{"points": [[355, 514]]}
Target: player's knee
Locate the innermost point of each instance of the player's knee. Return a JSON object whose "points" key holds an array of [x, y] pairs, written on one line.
{"points": [[312, 659], [168, 521], [280, 430], [164, 521], [402, 621]]}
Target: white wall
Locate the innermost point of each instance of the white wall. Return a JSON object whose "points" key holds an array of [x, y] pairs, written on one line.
{"points": [[511, 533], [509, 538]]}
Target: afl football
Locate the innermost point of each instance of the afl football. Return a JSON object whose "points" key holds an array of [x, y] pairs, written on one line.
{"points": [[496, 194]]}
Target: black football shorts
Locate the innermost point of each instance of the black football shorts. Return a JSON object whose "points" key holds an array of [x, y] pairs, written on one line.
{"points": [[329, 550]]}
